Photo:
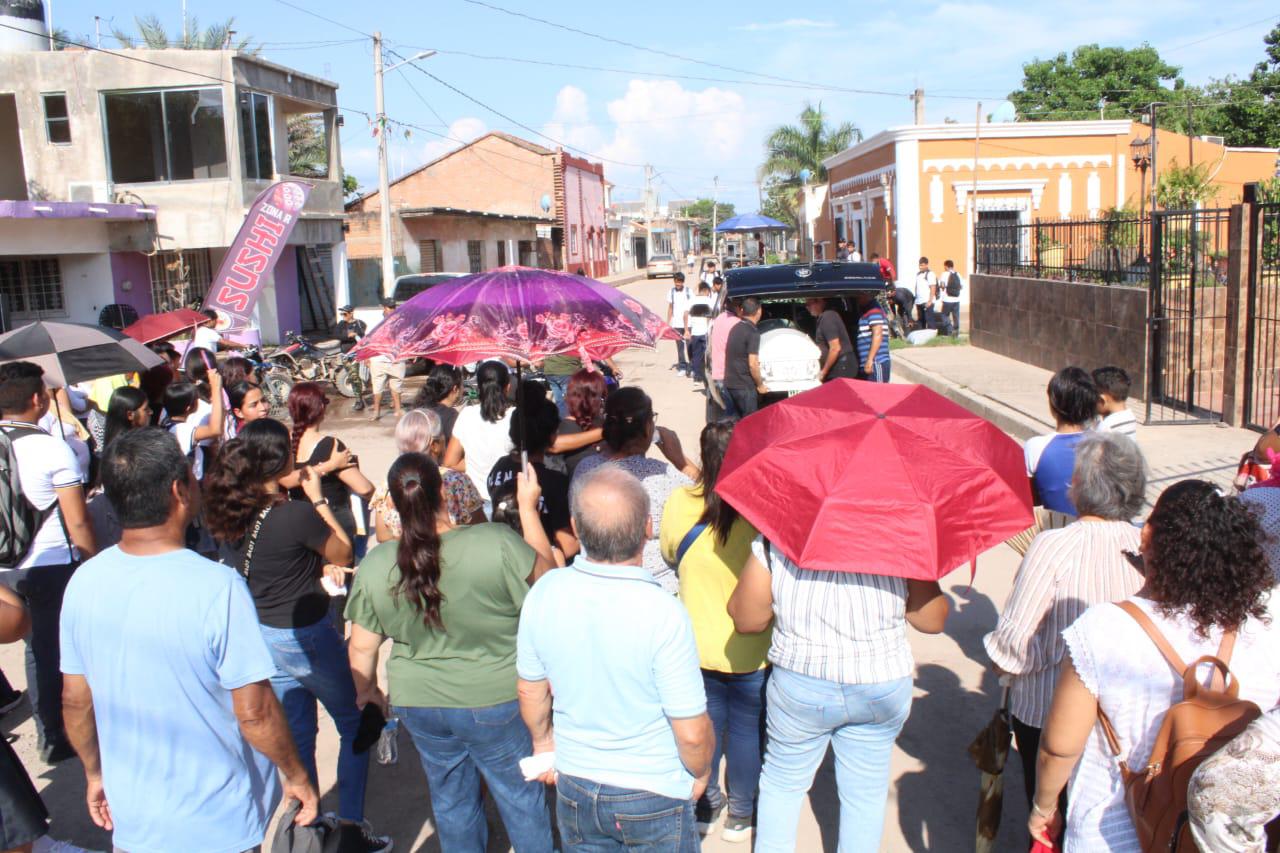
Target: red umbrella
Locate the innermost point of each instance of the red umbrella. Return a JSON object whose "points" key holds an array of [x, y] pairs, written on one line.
{"points": [[157, 327], [884, 479]]}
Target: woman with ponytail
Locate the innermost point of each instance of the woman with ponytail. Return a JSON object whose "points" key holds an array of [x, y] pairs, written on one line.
{"points": [[481, 434], [284, 548], [449, 597], [440, 394], [340, 475]]}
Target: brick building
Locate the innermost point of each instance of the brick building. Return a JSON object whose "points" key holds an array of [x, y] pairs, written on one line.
{"points": [[497, 201]]}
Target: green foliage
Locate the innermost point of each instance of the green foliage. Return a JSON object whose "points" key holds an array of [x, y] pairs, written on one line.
{"points": [[780, 202], [350, 186], [1269, 190], [1071, 87], [700, 212], [308, 146], [1184, 187], [1248, 110], [790, 149], [1122, 228], [152, 35], [63, 39]]}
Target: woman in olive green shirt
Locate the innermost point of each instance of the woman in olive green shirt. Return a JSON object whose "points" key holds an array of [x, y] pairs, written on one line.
{"points": [[449, 598]]}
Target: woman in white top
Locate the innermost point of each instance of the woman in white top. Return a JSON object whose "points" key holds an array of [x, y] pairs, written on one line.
{"points": [[1205, 574], [482, 434], [1064, 573], [842, 675]]}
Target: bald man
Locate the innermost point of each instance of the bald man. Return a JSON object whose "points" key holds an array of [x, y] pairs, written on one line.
{"points": [[637, 753]]}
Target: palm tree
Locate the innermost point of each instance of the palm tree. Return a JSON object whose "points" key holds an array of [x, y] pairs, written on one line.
{"points": [[791, 149], [153, 36]]}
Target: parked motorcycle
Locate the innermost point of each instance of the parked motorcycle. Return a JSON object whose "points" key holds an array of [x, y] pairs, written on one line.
{"points": [[309, 362], [274, 380]]}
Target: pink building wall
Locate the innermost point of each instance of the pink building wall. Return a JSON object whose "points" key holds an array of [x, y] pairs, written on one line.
{"points": [[584, 211], [134, 268]]}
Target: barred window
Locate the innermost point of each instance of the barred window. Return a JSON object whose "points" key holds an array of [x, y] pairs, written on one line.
{"points": [[32, 288], [475, 254], [179, 279]]}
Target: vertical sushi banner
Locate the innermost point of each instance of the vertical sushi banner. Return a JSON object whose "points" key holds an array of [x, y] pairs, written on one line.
{"points": [[235, 289]]}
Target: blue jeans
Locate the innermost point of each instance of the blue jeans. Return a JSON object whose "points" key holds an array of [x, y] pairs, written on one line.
{"points": [[682, 362], [460, 745], [559, 387], [951, 313], [730, 411], [698, 356], [595, 818], [311, 664], [735, 703], [805, 714]]}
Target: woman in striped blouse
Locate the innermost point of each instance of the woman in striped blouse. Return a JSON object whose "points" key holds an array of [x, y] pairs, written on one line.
{"points": [[1063, 574]]}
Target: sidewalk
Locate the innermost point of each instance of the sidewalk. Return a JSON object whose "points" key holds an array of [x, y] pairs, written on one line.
{"points": [[1012, 396]]}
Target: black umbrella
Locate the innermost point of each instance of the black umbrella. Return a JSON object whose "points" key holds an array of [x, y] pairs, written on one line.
{"points": [[76, 352]]}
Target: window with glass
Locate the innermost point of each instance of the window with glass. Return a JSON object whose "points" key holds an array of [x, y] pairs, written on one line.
{"points": [[169, 135], [255, 136], [475, 254], [57, 123], [573, 240], [31, 288]]}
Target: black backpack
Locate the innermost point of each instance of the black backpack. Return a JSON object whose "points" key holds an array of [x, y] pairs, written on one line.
{"points": [[953, 284], [20, 521]]}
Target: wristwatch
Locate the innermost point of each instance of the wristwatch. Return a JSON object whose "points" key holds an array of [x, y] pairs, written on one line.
{"points": [[320, 503]]}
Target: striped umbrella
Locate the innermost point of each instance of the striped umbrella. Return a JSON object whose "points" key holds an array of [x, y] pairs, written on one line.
{"points": [[75, 352]]}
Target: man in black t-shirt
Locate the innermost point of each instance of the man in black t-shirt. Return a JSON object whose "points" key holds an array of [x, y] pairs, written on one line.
{"points": [[837, 360], [349, 330], [742, 362]]}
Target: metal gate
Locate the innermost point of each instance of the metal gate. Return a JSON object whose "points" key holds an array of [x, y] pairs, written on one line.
{"points": [[1187, 315], [1262, 353]]}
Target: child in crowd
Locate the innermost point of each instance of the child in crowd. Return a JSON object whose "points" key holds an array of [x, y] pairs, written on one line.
{"points": [[1113, 391]]}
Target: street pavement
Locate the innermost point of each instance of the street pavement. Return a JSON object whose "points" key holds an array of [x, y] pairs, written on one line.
{"points": [[933, 787]]}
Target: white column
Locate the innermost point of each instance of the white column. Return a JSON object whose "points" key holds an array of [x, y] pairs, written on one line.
{"points": [[1093, 194], [935, 198], [906, 205], [1064, 195]]}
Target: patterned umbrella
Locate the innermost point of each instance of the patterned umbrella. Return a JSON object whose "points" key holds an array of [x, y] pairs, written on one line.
{"points": [[515, 312]]}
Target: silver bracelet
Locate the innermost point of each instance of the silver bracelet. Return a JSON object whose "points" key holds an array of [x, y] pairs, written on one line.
{"points": [[1041, 812]]}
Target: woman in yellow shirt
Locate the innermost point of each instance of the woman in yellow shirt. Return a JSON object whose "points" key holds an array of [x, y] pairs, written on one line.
{"points": [[709, 543]]}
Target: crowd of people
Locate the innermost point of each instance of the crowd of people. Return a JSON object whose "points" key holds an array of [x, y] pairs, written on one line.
{"points": [[571, 603]]}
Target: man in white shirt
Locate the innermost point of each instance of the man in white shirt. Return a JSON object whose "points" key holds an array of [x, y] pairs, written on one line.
{"points": [[926, 291], [678, 299], [855, 256], [207, 337], [697, 322], [709, 273], [50, 476]]}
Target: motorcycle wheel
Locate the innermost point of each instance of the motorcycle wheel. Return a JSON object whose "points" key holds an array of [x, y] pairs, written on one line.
{"points": [[308, 369], [276, 387], [342, 380]]}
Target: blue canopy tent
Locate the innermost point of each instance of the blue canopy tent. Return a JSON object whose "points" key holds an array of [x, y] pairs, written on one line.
{"points": [[749, 223]]}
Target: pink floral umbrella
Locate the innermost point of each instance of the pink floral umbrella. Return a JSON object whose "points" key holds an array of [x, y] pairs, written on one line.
{"points": [[515, 312]]}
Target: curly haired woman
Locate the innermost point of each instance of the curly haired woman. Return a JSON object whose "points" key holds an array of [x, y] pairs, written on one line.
{"points": [[1205, 575]]}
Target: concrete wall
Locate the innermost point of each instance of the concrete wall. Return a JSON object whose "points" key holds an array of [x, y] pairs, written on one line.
{"points": [[134, 268], [453, 232], [1052, 324]]}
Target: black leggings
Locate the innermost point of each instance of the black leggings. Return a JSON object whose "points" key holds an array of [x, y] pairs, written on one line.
{"points": [[1027, 739]]}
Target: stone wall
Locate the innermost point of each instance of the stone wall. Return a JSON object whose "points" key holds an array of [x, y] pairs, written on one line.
{"points": [[1052, 324]]}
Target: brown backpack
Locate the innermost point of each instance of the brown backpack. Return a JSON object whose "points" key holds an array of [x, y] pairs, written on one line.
{"points": [[1192, 730]]}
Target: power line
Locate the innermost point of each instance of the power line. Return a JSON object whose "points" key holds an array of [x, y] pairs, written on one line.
{"points": [[317, 15], [1212, 36]]}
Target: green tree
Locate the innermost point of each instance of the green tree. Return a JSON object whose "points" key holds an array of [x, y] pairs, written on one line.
{"points": [[779, 202], [308, 145], [350, 186], [153, 36], [1115, 82], [1184, 187], [1246, 111], [792, 148], [700, 212]]}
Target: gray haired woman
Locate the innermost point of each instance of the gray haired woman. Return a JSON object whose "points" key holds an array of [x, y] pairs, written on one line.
{"points": [[1065, 572]]}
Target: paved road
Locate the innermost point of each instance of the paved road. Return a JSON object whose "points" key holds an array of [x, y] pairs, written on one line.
{"points": [[933, 786]]}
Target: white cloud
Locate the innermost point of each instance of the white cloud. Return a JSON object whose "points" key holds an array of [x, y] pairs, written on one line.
{"points": [[460, 132], [788, 24]]}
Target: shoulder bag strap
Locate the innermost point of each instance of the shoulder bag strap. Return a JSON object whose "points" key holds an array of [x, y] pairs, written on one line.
{"points": [[1144, 621], [689, 538], [253, 542]]}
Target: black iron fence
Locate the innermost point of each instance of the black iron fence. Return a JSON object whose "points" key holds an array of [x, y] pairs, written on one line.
{"points": [[1112, 250], [1262, 398]]}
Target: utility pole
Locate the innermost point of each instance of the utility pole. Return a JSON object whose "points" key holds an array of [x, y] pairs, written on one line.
{"points": [[1191, 138], [50, 5], [97, 31], [1155, 162], [715, 211], [649, 212], [973, 195], [917, 97], [384, 178]]}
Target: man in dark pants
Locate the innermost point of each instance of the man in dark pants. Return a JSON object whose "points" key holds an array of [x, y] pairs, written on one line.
{"points": [[926, 293], [742, 360], [837, 359], [51, 481], [678, 299]]}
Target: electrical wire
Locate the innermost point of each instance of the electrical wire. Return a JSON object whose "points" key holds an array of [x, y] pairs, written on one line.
{"points": [[318, 16]]}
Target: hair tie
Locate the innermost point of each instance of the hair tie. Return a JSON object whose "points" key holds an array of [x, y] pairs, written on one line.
{"points": [[411, 481]]}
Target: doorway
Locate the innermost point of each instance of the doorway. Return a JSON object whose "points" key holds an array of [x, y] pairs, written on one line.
{"points": [[13, 179], [638, 250]]}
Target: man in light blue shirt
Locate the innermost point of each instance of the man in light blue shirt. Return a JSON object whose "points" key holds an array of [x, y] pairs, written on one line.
{"points": [[166, 695], [630, 712]]}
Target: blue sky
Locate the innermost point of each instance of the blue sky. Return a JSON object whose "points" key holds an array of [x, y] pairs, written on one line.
{"points": [[649, 109]]}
